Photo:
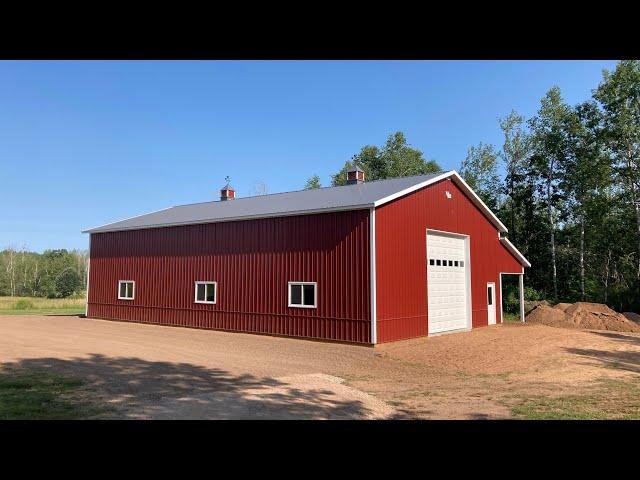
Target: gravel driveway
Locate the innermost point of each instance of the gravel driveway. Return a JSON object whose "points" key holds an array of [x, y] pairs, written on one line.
{"points": [[149, 371]]}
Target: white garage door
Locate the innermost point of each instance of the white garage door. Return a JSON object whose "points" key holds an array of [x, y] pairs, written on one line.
{"points": [[446, 282]]}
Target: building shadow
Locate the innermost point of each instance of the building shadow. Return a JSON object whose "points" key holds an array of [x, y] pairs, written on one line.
{"points": [[137, 388]]}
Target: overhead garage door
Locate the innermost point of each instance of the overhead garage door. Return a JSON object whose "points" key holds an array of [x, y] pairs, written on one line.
{"points": [[446, 282]]}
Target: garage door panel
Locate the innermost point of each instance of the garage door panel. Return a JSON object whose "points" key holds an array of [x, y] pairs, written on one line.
{"points": [[446, 282]]}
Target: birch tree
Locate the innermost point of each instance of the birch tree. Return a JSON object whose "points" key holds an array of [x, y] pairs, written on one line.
{"points": [[619, 96], [586, 175], [514, 154], [480, 170], [549, 135]]}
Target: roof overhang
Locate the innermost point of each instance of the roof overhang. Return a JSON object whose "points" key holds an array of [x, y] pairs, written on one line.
{"points": [[515, 252], [464, 186], [102, 229], [453, 175]]}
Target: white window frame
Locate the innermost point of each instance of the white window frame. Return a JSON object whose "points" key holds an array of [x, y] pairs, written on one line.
{"points": [[215, 292], [133, 293], [315, 296]]}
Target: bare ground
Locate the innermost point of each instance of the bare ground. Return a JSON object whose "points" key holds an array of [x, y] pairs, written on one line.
{"points": [[148, 371]]}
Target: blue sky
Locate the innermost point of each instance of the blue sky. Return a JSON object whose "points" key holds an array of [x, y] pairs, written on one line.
{"points": [[87, 143]]}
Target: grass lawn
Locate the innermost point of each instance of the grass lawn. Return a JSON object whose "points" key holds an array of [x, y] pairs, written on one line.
{"points": [[37, 395], [42, 306], [608, 399], [511, 317]]}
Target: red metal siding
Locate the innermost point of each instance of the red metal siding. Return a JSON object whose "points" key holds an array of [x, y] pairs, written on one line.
{"points": [[252, 261], [401, 277]]}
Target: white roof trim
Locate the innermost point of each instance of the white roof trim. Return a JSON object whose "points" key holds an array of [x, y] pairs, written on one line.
{"points": [[461, 183], [89, 230], [515, 252], [413, 188]]}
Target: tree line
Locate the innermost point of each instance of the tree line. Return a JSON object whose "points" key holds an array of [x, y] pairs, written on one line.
{"points": [[568, 190], [51, 274]]}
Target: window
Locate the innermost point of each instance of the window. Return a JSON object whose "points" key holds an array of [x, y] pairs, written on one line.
{"points": [[302, 294], [462, 263], [125, 289], [437, 263], [206, 292], [456, 263], [490, 295], [432, 261], [451, 263]]}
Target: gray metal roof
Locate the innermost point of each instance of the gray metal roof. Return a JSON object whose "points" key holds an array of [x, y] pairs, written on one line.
{"points": [[347, 197]]}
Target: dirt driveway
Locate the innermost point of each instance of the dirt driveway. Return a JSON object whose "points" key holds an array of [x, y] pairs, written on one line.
{"points": [[148, 371]]}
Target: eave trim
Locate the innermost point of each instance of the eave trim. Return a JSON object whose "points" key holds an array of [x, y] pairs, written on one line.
{"points": [[105, 228], [515, 252], [459, 181]]}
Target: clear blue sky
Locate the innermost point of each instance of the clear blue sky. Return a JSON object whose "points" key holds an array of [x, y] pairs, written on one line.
{"points": [[87, 143]]}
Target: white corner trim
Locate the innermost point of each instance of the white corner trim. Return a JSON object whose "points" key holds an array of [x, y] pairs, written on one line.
{"points": [[516, 253], [86, 304], [372, 274], [501, 298], [459, 181]]}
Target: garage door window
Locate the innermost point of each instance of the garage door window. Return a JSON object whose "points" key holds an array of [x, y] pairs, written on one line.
{"points": [[302, 294], [125, 289]]}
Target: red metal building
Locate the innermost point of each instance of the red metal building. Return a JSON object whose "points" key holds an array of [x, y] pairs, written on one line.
{"points": [[368, 262]]}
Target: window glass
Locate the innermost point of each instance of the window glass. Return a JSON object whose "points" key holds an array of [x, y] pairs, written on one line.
{"points": [[296, 294], [201, 288], [432, 261], [462, 263], [456, 263], [490, 295], [211, 292], [437, 262], [123, 289], [309, 295], [129, 290], [451, 263]]}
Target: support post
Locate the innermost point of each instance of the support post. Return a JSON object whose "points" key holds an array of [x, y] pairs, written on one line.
{"points": [[521, 281]]}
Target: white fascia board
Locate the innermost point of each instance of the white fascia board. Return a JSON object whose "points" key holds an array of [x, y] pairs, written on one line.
{"points": [[516, 253], [411, 189], [478, 201], [458, 180], [90, 230]]}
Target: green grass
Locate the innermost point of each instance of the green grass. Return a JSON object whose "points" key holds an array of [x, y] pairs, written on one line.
{"points": [[42, 306], [609, 399], [510, 317], [37, 395]]}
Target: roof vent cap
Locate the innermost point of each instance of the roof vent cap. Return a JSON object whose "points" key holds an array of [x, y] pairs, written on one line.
{"points": [[355, 176], [227, 192]]}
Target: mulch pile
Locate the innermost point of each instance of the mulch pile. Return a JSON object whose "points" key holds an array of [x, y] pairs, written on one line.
{"points": [[592, 316]]}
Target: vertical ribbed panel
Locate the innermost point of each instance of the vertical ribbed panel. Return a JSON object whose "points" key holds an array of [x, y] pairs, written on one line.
{"points": [[252, 261], [401, 275]]}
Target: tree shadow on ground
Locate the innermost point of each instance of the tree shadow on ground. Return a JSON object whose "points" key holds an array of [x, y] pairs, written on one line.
{"points": [[139, 388], [620, 359], [630, 339]]}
